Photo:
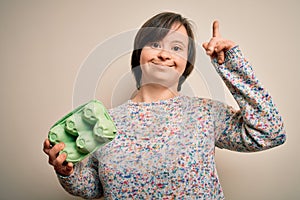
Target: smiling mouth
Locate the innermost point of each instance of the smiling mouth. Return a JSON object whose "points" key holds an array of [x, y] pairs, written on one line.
{"points": [[161, 65]]}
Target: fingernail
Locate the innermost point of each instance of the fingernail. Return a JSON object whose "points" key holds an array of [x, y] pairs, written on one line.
{"points": [[69, 167], [64, 154], [62, 145]]}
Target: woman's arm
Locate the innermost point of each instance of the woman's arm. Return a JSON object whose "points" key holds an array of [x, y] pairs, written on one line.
{"points": [[79, 179], [84, 182], [257, 125]]}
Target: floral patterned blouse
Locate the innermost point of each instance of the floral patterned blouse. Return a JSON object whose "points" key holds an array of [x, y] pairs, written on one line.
{"points": [[166, 149]]}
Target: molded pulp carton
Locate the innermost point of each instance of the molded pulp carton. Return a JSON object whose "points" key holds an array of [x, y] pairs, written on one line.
{"points": [[83, 130]]}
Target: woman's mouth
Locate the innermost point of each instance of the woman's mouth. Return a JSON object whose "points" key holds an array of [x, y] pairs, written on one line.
{"points": [[157, 64]]}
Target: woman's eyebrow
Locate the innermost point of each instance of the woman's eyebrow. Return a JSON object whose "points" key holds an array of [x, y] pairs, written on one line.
{"points": [[180, 42]]}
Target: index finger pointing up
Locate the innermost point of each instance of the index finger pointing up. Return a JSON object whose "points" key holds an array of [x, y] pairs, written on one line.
{"points": [[216, 32]]}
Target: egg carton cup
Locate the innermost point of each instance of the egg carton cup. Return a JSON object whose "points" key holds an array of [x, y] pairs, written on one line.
{"points": [[83, 131]]}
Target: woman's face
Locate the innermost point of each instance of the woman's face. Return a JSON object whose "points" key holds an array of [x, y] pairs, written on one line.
{"points": [[163, 62]]}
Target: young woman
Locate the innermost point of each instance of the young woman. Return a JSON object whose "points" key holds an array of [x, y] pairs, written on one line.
{"points": [[165, 145]]}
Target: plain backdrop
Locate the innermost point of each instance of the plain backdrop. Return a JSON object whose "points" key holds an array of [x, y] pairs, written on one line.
{"points": [[44, 43]]}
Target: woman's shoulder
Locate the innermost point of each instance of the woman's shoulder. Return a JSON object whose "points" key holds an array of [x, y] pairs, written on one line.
{"points": [[199, 101], [203, 105], [119, 109]]}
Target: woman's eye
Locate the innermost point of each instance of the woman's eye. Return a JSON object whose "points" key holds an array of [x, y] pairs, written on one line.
{"points": [[155, 45], [177, 48]]}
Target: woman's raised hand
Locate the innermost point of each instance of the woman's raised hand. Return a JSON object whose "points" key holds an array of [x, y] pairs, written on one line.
{"points": [[217, 46]]}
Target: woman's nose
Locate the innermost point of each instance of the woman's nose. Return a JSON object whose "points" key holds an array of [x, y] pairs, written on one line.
{"points": [[164, 55]]}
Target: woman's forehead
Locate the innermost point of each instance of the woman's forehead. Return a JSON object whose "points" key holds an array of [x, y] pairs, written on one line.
{"points": [[179, 28], [178, 33]]}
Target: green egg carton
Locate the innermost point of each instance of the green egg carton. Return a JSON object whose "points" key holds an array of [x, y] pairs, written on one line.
{"points": [[83, 130]]}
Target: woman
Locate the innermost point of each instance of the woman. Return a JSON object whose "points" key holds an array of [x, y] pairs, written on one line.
{"points": [[166, 141]]}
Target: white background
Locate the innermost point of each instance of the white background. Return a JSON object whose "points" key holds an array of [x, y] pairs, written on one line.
{"points": [[44, 43]]}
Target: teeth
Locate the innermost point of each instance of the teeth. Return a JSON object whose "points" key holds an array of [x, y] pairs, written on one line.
{"points": [[163, 65]]}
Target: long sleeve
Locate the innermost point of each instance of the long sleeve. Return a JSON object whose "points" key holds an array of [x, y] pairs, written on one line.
{"points": [[84, 182], [257, 125]]}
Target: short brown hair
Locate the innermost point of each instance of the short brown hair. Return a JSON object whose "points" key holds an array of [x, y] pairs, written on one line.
{"points": [[155, 29]]}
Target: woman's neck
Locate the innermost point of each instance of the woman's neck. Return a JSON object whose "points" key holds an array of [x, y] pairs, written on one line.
{"points": [[152, 93]]}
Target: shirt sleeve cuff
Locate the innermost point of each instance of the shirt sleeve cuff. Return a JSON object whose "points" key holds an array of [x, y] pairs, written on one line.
{"points": [[77, 166], [231, 54]]}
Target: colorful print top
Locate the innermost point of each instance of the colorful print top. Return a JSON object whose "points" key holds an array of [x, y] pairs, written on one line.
{"points": [[166, 149]]}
